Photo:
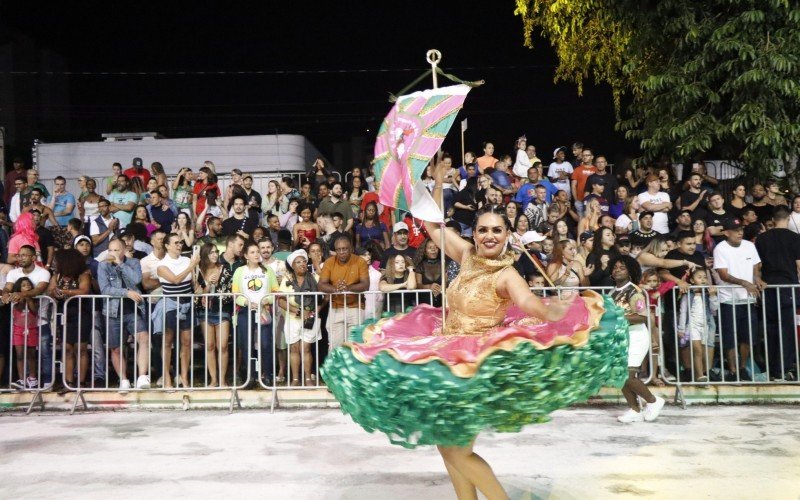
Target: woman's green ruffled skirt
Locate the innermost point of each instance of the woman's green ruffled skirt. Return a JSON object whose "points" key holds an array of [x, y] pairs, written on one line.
{"points": [[425, 403]]}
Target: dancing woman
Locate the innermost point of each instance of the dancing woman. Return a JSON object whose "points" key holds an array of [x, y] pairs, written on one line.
{"points": [[498, 338]]}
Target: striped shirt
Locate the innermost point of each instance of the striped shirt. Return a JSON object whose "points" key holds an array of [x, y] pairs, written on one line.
{"points": [[177, 266]]}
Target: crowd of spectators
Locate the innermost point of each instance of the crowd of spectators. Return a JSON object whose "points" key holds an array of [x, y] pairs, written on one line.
{"points": [[187, 266]]}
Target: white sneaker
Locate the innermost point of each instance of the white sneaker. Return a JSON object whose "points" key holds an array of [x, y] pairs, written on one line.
{"points": [[32, 382], [630, 417], [652, 410], [160, 382], [124, 386], [143, 382]]}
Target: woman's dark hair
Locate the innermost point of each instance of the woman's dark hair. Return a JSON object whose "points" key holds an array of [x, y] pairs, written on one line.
{"points": [[324, 248], [516, 221], [597, 246], [302, 206], [492, 209], [419, 257], [361, 189], [138, 230], [146, 213], [205, 250], [633, 267], [69, 262], [17, 287], [211, 176]]}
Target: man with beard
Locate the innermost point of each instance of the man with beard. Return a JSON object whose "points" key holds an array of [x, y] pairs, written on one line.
{"points": [[335, 203], [683, 222], [214, 233], [239, 223], [694, 199], [760, 203], [47, 243], [36, 204], [123, 201]]}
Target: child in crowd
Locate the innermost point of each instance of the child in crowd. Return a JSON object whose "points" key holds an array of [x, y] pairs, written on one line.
{"points": [[26, 335], [655, 288], [536, 281], [547, 252], [696, 323]]}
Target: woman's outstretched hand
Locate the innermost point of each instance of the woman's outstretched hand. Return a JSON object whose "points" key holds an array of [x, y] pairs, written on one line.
{"points": [[557, 307]]}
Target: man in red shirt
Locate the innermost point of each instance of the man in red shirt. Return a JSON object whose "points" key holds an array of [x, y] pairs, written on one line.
{"points": [[137, 170], [579, 177]]}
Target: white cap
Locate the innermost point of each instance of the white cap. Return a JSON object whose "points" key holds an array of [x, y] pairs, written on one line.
{"points": [[532, 237], [294, 255], [399, 226]]}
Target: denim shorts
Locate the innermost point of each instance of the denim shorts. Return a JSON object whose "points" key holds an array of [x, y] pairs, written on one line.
{"points": [[133, 323], [212, 317]]}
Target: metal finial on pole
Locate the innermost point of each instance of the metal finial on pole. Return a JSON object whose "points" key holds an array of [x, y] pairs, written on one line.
{"points": [[434, 57]]}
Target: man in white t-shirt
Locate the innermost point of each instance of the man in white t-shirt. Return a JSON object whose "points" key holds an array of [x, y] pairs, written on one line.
{"points": [[656, 201], [737, 262], [561, 171], [150, 282], [40, 278]]}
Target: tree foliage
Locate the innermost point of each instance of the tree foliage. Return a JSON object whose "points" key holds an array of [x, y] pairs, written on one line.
{"points": [[715, 74]]}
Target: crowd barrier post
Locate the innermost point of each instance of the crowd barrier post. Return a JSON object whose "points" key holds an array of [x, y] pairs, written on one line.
{"points": [[31, 349]]}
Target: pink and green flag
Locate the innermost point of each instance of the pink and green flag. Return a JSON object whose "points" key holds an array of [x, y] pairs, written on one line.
{"points": [[409, 137]]}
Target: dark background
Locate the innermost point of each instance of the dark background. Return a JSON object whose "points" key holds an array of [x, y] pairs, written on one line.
{"points": [[321, 75]]}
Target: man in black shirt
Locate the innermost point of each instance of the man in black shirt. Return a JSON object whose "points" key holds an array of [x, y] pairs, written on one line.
{"points": [[686, 252], [399, 245], [645, 234], [239, 223], [47, 243], [604, 177], [716, 216], [683, 222], [762, 208], [694, 199], [779, 250]]}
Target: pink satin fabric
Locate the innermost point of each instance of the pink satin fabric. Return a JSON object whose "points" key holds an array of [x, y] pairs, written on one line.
{"points": [[411, 337]]}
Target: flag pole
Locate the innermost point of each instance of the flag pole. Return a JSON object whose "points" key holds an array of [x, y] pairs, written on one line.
{"points": [[433, 57]]}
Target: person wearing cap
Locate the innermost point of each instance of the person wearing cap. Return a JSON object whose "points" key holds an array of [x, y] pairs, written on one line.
{"points": [[603, 176], [560, 170], [738, 264], [645, 234], [656, 201], [596, 190], [300, 314], [624, 245], [137, 170], [399, 244], [531, 241], [683, 222]]}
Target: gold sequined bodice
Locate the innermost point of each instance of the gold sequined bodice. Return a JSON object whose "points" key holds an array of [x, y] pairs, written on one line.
{"points": [[472, 300]]}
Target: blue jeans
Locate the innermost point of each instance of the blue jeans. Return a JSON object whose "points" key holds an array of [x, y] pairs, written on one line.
{"points": [[46, 354], [244, 344]]}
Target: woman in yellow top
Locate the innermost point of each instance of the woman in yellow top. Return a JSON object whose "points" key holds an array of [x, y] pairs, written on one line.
{"points": [[253, 283]]}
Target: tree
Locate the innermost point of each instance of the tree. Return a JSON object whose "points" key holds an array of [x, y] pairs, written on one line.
{"points": [[694, 76]]}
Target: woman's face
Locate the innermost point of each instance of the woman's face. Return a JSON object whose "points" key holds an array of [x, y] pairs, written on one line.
{"points": [[740, 191], [622, 193], [371, 211], [594, 205], [253, 256], [522, 225], [490, 235], [26, 286], [300, 266], [588, 244], [570, 251], [82, 182], [258, 234], [561, 228], [293, 205], [213, 256], [272, 187], [152, 184], [430, 250], [399, 264], [91, 185], [141, 213], [511, 211], [522, 144], [663, 175], [356, 182], [306, 213], [84, 248], [699, 226], [608, 237], [183, 219], [266, 248], [315, 251]]}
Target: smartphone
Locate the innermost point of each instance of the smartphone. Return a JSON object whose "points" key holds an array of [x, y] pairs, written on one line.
{"points": [[195, 250]]}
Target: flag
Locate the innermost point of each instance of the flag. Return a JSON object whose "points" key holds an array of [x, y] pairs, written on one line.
{"points": [[408, 138]]}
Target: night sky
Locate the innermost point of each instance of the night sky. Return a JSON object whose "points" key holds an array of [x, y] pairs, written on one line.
{"points": [[330, 101]]}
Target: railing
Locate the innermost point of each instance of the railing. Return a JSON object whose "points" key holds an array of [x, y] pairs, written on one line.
{"points": [[218, 346], [740, 339]]}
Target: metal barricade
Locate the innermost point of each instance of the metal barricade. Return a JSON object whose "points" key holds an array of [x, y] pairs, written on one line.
{"points": [[162, 335], [741, 340], [298, 323], [30, 362]]}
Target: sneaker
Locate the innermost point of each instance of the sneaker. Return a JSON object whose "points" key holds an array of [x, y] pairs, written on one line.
{"points": [[124, 386], [652, 410], [790, 376], [19, 384], [32, 382], [160, 382], [630, 417], [715, 375], [143, 382]]}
